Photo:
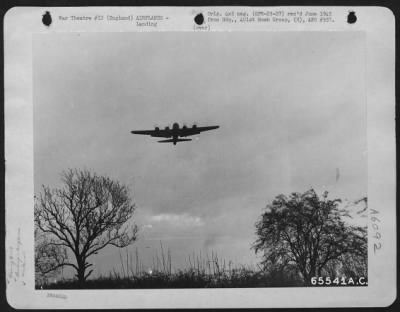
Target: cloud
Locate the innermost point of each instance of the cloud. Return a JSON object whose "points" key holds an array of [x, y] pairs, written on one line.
{"points": [[178, 220], [291, 111]]}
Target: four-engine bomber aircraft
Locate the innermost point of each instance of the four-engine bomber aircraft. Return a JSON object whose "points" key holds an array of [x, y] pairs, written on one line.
{"points": [[175, 132]]}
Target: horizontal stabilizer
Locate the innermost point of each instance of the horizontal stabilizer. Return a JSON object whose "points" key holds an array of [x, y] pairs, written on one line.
{"points": [[172, 141]]}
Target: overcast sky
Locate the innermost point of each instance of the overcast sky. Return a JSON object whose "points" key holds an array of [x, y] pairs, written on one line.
{"points": [[290, 106]]}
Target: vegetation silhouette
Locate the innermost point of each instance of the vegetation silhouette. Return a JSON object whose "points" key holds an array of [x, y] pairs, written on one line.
{"points": [[308, 234], [48, 256], [86, 214], [202, 271], [300, 236]]}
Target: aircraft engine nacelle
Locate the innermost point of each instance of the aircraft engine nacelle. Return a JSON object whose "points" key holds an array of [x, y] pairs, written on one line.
{"points": [[184, 127], [194, 126], [167, 128], [157, 128]]}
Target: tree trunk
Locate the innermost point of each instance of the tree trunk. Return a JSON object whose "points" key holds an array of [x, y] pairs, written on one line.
{"points": [[81, 271], [313, 271], [81, 275], [306, 276]]}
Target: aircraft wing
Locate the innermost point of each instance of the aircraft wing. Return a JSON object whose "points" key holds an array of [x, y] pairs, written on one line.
{"points": [[192, 131], [161, 133]]}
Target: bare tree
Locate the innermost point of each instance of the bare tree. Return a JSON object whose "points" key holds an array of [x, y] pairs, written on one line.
{"points": [[48, 257], [309, 232], [85, 215]]}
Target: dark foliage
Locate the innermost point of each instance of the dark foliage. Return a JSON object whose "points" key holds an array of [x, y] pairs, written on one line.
{"points": [[183, 279], [309, 233]]}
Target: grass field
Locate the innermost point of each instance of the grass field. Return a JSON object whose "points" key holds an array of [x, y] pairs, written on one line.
{"points": [[201, 272]]}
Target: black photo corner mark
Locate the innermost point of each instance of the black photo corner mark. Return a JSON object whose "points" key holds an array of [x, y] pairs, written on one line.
{"points": [[199, 19], [46, 19], [351, 18]]}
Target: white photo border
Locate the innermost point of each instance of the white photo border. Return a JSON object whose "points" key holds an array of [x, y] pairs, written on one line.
{"points": [[21, 23]]}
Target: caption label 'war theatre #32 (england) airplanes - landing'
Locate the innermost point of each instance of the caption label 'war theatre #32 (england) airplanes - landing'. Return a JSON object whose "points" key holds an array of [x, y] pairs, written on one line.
{"points": [[175, 132]]}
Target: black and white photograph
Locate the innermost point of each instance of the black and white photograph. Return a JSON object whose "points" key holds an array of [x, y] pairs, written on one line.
{"points": [[131, 193], [190, 160]]}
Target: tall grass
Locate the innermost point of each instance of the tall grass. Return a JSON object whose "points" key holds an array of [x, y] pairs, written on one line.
{"points": [[131, 266], [201, 271]]}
